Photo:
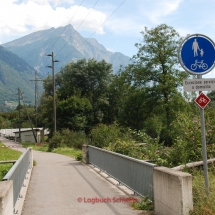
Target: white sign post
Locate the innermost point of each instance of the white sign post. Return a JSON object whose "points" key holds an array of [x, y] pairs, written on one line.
{"points": [[197, 56]]}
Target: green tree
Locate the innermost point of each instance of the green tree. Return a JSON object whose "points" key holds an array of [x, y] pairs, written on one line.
{"points": [[118, 91], [74, 113], [211, 95], [81, 95], [156, 68], [89, 79]]}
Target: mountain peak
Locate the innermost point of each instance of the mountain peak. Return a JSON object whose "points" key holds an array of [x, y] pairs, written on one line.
{"points": [[66, 43]]}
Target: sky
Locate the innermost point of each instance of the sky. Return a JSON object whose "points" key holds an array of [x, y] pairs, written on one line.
{"points": [[116, 24]]}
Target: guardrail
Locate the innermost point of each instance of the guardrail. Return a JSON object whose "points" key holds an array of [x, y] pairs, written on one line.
{"points": [[133, 173], [17, 173]]}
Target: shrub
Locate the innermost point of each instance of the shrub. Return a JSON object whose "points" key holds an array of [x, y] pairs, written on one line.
{"points": [[144, 204], [102, 135], [186, 134], [67, 138], [79, 156], [126, 148]]}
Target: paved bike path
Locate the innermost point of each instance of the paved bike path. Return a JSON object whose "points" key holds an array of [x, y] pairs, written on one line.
{"points": [[60, 185]]}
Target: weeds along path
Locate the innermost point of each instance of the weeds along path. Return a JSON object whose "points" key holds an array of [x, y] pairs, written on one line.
{"points": [[62, 185]]}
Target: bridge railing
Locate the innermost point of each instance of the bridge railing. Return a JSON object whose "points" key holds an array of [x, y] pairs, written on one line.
{"points": [[133, 173], [18, 171]]}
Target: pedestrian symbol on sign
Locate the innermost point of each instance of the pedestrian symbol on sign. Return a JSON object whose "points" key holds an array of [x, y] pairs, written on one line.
{"points": [[195, 47]]}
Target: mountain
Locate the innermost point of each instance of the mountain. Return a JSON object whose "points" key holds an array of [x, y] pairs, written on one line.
{"points": [[66, 44], [14, 73]]}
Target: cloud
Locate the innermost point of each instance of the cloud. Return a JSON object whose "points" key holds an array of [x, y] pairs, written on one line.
{"points": [[23, 17], [125, 26], [147, 13], [160, 9], [46, 2]]}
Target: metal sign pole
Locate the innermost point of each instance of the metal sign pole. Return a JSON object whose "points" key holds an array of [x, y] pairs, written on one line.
{"points": [[204, 149], [197, 56]]}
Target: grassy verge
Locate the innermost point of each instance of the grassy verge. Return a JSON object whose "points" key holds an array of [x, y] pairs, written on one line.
{"points": [[42, 147], [203, 205], [71, 152], [144, 204], [7, 154]]}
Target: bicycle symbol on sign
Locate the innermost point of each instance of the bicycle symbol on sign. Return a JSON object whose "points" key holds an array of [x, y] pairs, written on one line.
{"points": [[199, 64], [202, 100]]}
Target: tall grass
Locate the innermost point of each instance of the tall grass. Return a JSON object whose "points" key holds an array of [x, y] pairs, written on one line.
{"points": [[203, 204]]}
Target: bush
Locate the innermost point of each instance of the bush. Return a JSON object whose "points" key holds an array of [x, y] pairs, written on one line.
{"points": [[186, 134], [79, 156], [141, 146], [144, 204], [67, 138], [102, 135], [126, 148]]}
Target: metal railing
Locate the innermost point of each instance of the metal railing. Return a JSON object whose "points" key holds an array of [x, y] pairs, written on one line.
{"points": [[133, 173], [17, 174]]}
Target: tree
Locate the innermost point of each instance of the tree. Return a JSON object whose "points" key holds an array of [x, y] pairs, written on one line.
{"points": [[74, 113], [86, 79], [156, 67], [45, 111], [81, 95], [118, 92]]}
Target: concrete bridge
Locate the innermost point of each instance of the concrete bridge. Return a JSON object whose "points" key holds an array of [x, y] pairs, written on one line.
{"points": [[62, 185]]}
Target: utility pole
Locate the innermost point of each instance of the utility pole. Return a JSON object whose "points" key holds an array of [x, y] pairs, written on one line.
{"points": [[19, 116], [36, 91], [53, 85], [20, 93]]}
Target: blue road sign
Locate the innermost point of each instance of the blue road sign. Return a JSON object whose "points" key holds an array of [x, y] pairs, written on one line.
{"points": [[197, 54]]}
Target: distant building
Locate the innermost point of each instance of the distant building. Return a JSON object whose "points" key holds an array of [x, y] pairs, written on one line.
{"points": [[26, 134], [11, 104]]}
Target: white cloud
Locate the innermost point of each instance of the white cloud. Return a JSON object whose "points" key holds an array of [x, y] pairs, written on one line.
{"points": [[147, 13], [49, 2], [110, 50], [94, 20], [160, 9], [24, 17], [125, 26]]}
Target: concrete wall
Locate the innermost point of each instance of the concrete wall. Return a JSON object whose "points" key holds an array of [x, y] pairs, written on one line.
{"points": [[6, 197], [85, 154], [172, 192]]}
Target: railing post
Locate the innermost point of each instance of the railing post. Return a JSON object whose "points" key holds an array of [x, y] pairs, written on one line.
{"points": [[85, 154], [30, 158]]}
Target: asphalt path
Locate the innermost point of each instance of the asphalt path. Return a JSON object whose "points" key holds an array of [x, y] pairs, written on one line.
{"points": [[60, 185]]}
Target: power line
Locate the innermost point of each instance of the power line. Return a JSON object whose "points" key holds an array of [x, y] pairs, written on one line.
{"points": [[75, 32], [59, 35], [107, 19], [65, 26], [99, 26]]}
